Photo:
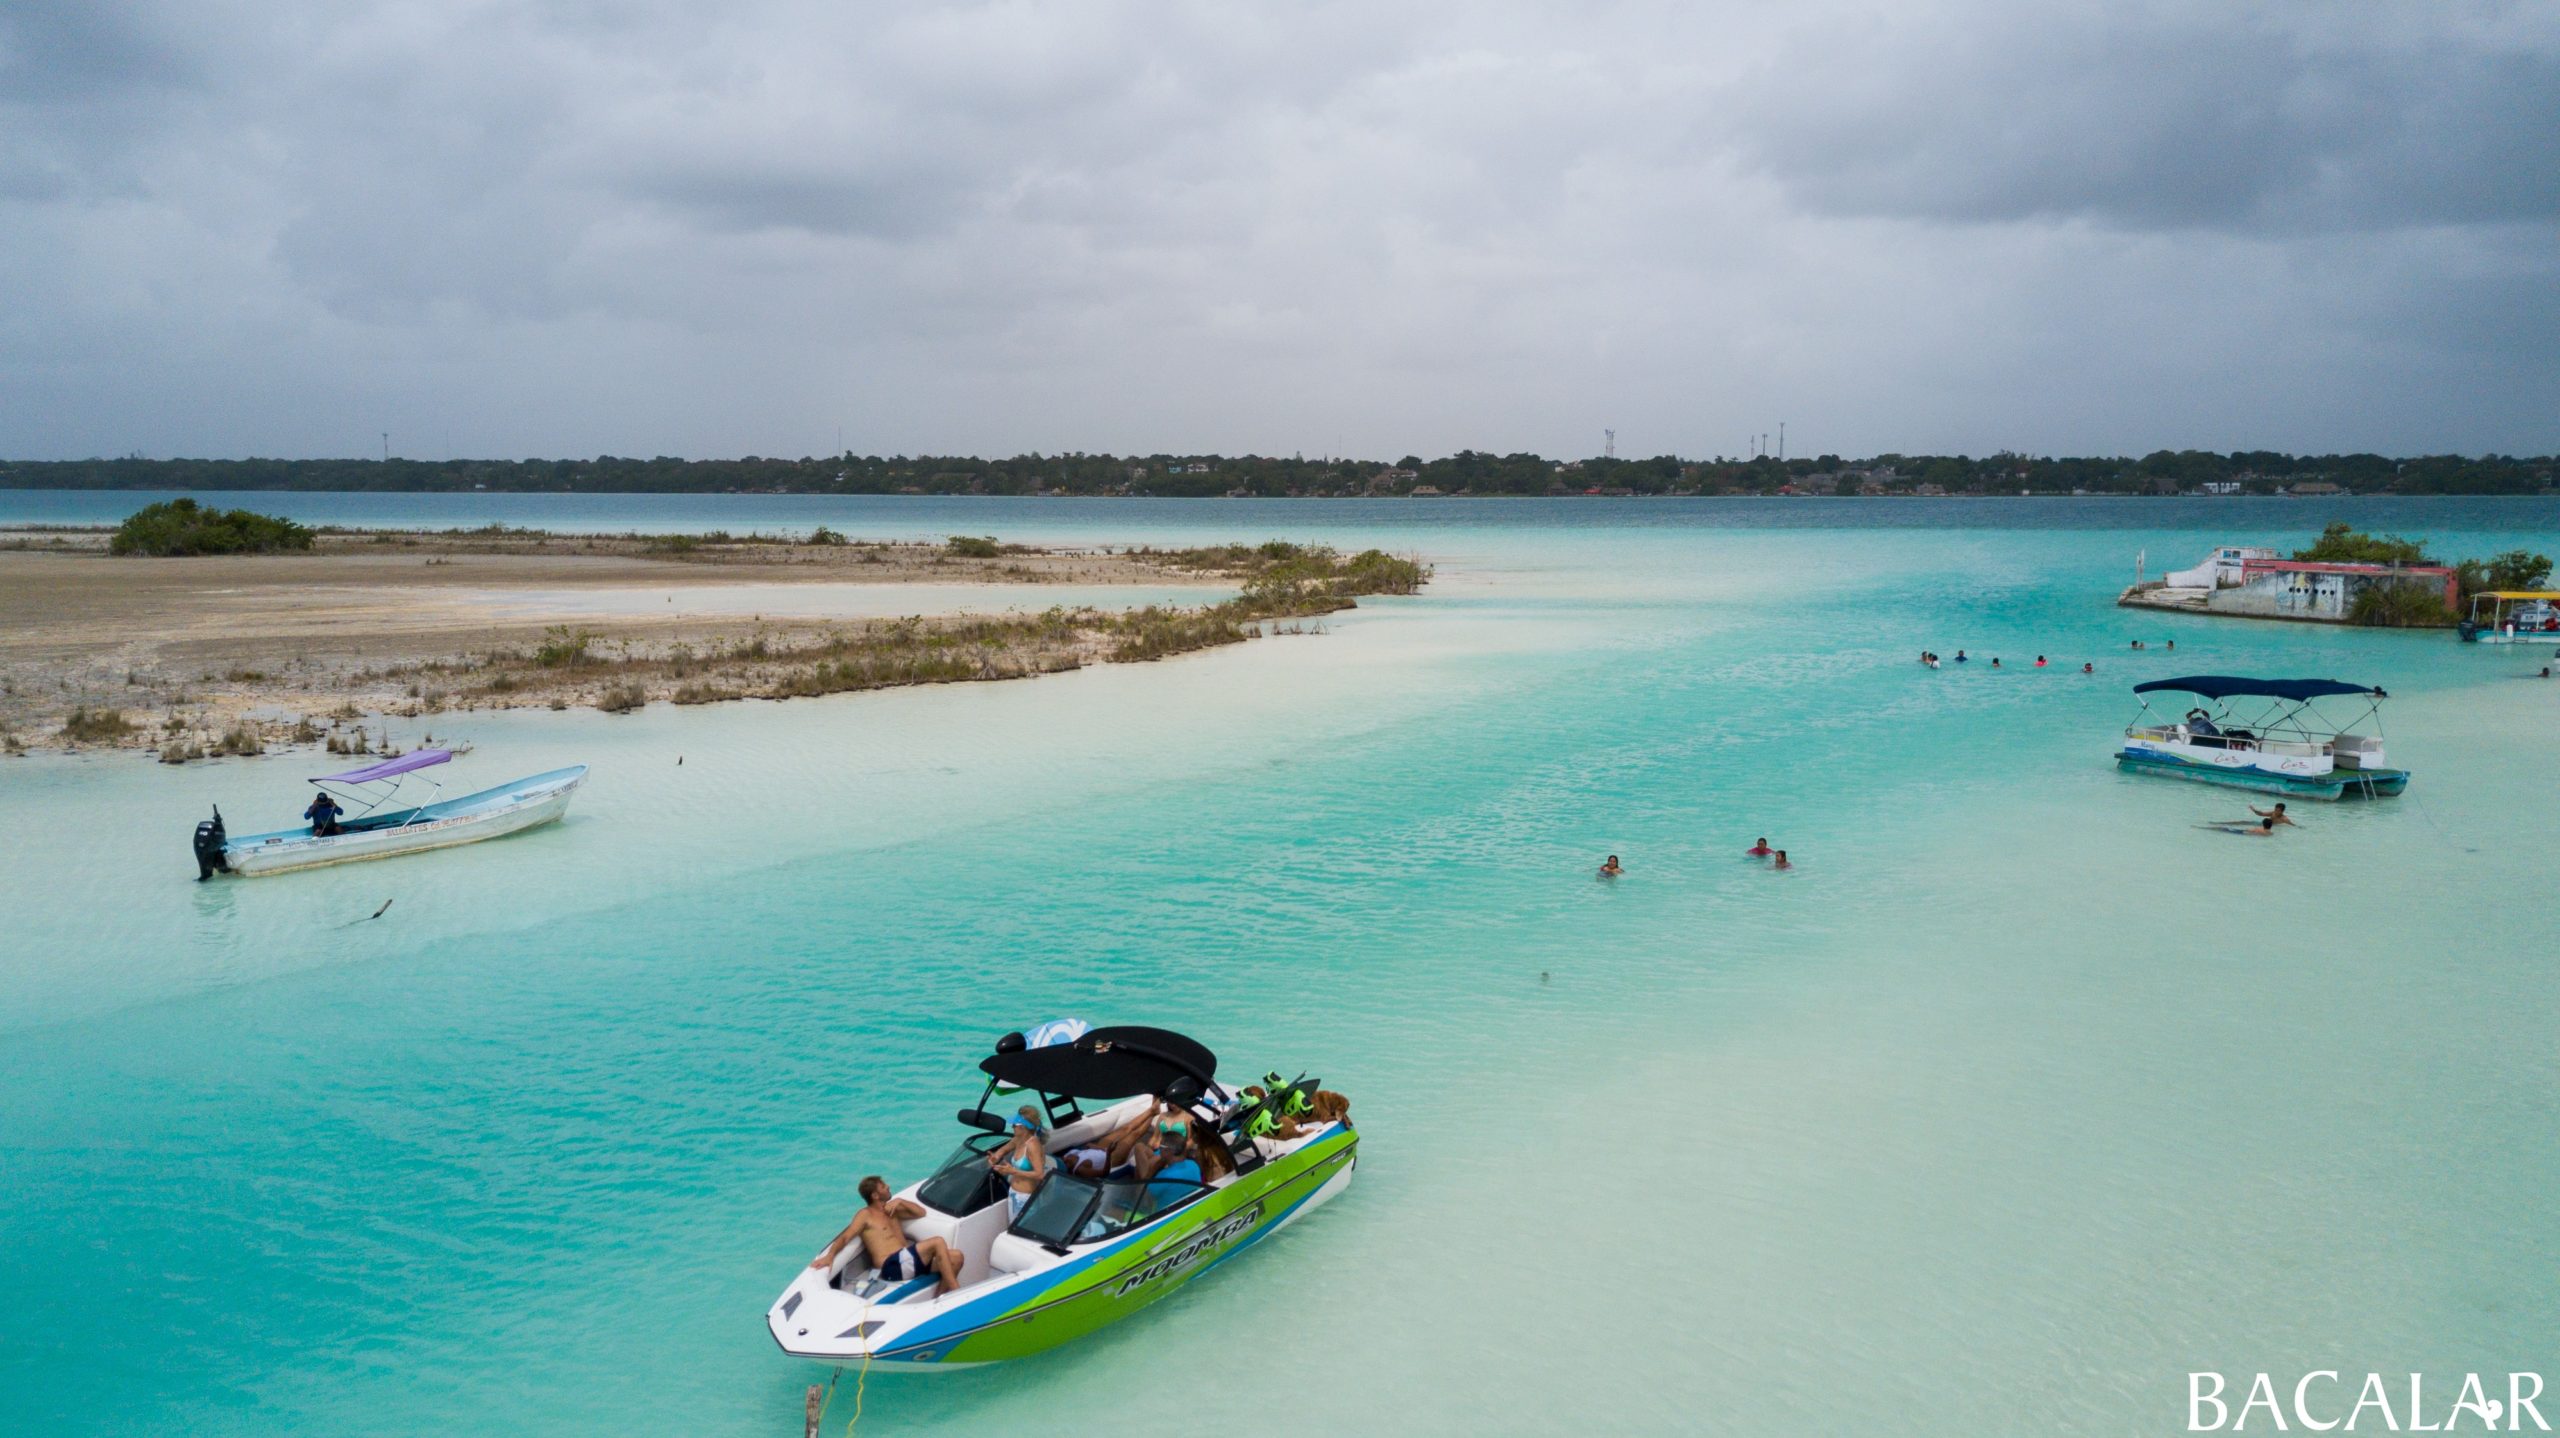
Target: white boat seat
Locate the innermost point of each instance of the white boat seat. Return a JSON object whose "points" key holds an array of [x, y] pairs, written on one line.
{"points": [[870, 1287], [1012, 1253]]}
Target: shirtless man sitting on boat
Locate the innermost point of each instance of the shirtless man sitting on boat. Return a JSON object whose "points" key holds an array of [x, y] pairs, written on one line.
{"points": [[880, 1226]]}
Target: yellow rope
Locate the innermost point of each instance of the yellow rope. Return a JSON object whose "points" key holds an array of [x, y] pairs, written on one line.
{"points": [[861, 1378], [862, 1375]]}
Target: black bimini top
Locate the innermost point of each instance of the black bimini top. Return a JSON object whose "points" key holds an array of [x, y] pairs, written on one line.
{"points": [[2227, 686], [1106, 1063]]}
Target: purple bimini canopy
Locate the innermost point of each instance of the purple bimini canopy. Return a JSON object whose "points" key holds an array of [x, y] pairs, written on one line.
{"points": [[388, 768]]}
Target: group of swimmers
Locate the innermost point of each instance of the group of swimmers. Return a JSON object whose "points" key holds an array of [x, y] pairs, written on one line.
{"points": [[1930, 659], [1759, 850]]}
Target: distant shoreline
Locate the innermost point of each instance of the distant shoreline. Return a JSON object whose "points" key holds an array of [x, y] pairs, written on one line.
{"points": [[1472, 474], [155, 488]]}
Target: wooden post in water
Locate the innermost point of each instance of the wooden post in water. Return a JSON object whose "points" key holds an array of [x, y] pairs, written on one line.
{"points": [[817, 1404]]}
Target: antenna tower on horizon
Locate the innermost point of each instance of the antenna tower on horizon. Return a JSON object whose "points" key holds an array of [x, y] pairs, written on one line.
{"points": [[1608, 444]]}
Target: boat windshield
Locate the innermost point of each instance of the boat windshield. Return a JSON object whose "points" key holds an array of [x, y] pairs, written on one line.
{"points": [[964, 1183], [1078, 1210]]}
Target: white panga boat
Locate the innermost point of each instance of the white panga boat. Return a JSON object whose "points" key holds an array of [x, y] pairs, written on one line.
{"points": [[376, 832], [2264, 734]]}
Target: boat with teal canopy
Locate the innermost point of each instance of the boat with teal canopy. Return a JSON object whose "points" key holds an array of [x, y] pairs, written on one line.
{"points": [[1169, 1177], [2264, 734], [365, 816]]}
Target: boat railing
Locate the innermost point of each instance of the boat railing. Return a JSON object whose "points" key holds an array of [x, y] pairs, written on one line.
{"points": [[2181, 734], [2309, 749]]}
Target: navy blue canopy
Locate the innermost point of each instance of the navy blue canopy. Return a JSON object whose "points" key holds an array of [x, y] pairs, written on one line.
{"points": [[2227, 686]]}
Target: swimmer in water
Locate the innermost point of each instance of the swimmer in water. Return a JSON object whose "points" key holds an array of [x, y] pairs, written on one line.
{"points": [[2276, 815], [2173, 644], [1960, 659], [2039, 661], [1779, 860], [2088, 668], [2263, 829], [1610, 870], [1995, 661], [1760, 850]]}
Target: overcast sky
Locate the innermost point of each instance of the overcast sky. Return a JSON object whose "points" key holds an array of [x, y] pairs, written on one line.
{"points": [[724, 227]]}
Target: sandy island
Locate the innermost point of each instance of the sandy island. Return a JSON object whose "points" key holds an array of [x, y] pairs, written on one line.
{"points": [[197, 656]]}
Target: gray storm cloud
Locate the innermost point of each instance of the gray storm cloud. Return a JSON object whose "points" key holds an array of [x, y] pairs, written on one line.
{"points": [[506, 229]]}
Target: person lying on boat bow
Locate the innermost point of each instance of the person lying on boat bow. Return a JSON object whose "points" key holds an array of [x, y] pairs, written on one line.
{"points": [[881, 1227], [323, 814]]}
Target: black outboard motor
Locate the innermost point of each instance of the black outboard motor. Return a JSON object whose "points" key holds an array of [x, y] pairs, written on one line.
{"points": [[209, 843]]}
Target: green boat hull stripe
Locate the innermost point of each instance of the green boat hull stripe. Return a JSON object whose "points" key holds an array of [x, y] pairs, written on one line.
{"points": [[978, 1331]]}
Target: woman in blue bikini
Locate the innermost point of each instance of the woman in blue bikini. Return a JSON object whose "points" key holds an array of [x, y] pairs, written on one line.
{"points": [[1023, 1161]]}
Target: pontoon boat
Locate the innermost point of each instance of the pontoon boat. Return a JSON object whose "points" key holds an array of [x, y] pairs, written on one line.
{"points": [[2265, 734], [1083, 1251], [374, 832], [2513, 616]]}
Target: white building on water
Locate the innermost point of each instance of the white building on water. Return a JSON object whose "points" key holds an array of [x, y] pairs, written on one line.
{"points": [[2221, 570], [2253, 582]]}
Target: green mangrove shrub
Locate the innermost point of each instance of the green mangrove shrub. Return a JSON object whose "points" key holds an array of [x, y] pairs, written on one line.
{"points": [[175, 527]]}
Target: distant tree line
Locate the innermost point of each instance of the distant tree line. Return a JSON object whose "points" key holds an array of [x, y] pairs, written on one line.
{"points": [[1472, 472]]}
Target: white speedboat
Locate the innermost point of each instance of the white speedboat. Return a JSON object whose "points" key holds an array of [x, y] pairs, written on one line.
{"points": [[1088, 1248], [374, 831], [2264, 734]]}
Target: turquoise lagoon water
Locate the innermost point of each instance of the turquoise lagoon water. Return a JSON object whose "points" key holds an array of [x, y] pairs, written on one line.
{"points": [[2018, 1100]]}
